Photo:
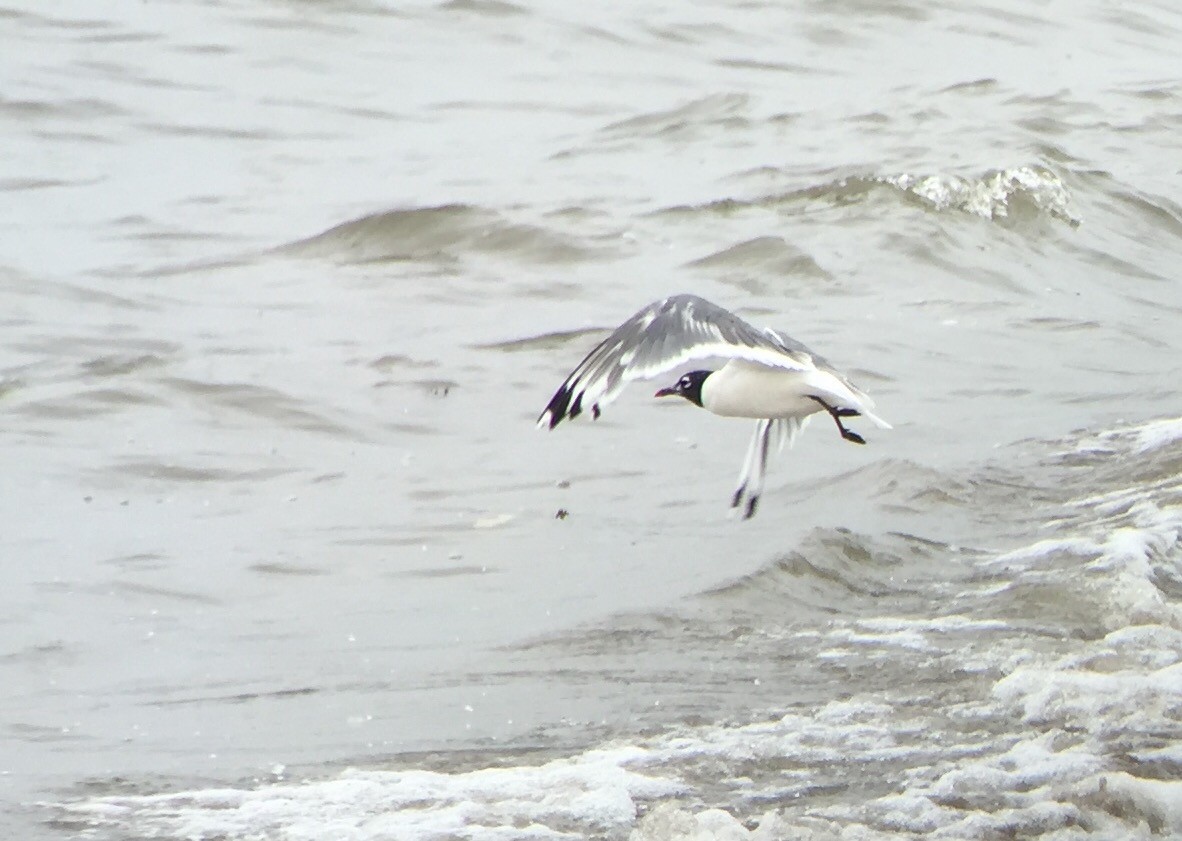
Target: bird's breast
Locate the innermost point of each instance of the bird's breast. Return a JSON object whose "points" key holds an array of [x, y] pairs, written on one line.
{"points": [[756, 391]]}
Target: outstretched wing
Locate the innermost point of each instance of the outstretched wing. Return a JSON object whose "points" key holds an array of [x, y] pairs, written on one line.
{"points": [[660, 338]]}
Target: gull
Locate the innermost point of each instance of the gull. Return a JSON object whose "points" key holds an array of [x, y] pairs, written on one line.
{"points": [[765, 374]]}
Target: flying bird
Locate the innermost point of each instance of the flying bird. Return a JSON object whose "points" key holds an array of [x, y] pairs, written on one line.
{"points": [[765, 374]]}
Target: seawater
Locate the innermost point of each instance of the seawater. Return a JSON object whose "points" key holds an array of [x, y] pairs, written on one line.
{"points": [[284, 288]]}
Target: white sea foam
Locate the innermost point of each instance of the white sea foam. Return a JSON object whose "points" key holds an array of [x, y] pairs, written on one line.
{"points": [[667, 822], [595, 791], [1033, 555], [1158, 434], [1135, 545], [992, 196], [840, 731], [670, 822], [953, 623], [1130, 681], [1049, 782], [1141, 437], [1049, 785], [909, 639], [1133, 559]]}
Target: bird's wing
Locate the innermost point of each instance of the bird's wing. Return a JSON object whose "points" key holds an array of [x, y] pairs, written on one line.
{"points": [[660, 338], [819, 362], [863, 402]]}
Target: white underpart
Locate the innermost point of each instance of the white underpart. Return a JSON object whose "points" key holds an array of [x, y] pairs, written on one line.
{"points": [[745, 390]]}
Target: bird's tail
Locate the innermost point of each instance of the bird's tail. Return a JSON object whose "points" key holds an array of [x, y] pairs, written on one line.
{"points": [[838, 392], [875, 419]]}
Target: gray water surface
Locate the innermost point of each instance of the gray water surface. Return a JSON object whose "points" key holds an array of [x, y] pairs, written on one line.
{"points": [[283, 288]]}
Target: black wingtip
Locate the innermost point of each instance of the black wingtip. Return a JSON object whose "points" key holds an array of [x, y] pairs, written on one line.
{"points": [[548, 420], [557, 408]]}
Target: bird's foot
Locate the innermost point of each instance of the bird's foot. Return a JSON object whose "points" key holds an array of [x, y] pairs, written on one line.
{"points": [[850, 435], [752, 501], [738, 497], [839, 412]]}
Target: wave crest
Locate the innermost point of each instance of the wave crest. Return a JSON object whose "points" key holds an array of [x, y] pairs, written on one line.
{"points": [[997, 195], [441, 233]]}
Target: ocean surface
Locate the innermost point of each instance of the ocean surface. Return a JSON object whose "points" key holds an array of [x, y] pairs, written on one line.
{"points": [[285, 285]]}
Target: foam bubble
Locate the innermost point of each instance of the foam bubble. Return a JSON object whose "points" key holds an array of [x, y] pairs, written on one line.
{"points": [[668, 822]]}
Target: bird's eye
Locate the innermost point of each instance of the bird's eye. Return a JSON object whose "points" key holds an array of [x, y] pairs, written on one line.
{"points": [[685, 382]]}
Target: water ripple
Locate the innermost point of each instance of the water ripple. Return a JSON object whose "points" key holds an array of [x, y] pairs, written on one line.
{"points": [[441, 233]]}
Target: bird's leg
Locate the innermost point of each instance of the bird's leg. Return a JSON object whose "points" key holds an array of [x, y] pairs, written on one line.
{"points": [[837, 413]]}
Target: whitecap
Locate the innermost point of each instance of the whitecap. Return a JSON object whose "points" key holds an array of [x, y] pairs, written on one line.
{"points": [[992, 196]]}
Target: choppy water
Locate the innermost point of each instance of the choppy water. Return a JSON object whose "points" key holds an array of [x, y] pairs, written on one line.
{"points": [[283, 288]]}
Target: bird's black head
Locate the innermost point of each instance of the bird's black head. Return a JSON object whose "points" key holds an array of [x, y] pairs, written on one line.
{"points": [[689, 387]]}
